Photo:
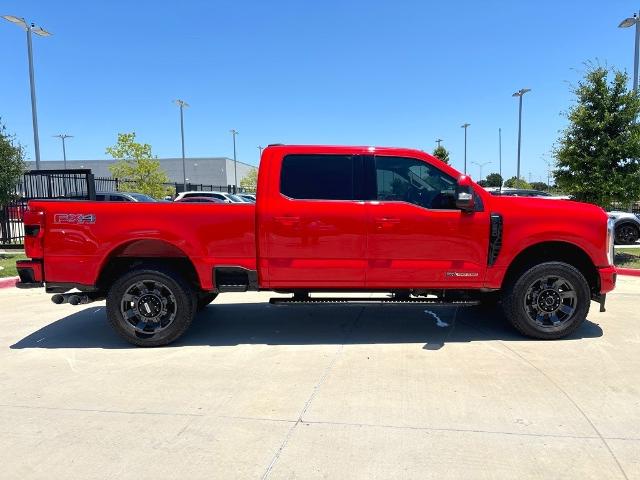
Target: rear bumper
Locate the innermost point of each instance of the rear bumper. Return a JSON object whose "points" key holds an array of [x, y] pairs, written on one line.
{"points": [[608, 277], [30, 273]]}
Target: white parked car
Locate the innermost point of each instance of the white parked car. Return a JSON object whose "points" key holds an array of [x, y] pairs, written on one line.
{"points": [[627, 227], [225, 197]]}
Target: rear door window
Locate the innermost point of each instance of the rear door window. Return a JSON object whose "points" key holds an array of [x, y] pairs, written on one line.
{"points": [[320, 177]]}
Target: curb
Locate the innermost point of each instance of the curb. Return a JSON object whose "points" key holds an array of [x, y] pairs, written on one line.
{"points": [[633, 272], [8, 282]]}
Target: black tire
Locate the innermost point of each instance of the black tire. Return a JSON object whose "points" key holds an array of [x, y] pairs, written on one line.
{"points": [[555, 293], [150, 306], [626, 234], [205, 299]]}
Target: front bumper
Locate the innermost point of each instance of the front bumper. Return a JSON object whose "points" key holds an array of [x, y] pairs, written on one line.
{"points": [[31, 274], [608, 278]]}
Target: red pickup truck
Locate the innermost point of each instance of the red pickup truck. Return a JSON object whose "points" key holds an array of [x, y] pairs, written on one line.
{"points": [[394, 221]]}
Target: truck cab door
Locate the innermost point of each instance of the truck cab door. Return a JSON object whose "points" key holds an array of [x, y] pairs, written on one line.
{"points": [[416, 235], [313, 228]]}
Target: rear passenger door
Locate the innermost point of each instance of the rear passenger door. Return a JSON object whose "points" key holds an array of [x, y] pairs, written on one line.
{"points": [[315, 225]]}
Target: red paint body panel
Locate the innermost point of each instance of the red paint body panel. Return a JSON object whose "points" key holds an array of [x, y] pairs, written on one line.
{"points": [[207, 234], [307, 244]]}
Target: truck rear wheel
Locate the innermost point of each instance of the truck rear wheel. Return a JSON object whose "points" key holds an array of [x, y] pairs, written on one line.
{"points": [[548, 301], [150, 306]]}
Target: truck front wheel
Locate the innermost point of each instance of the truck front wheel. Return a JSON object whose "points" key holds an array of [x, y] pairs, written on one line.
{"points": [[547, 301], [150, 307]]}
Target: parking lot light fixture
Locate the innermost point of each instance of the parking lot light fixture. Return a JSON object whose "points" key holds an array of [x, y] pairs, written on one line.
{"points": [[182, 104], [520, 93], [234, 132], [630, 22], [481, 165], [465, 126], [41, 32]]}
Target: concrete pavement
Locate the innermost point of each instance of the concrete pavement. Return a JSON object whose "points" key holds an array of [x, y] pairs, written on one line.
{"points": [[326, 391]]}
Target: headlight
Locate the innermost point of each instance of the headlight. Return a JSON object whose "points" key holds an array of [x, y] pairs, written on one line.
{"points": [[610, 240]]}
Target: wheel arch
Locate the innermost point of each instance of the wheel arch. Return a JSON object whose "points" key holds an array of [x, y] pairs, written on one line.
{"points": [[555, 251], [135, 253]]}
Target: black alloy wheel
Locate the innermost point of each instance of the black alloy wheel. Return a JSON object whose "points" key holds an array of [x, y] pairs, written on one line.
{"points": [[547, 301], [550, 302], [627, 234], [151, 306]]}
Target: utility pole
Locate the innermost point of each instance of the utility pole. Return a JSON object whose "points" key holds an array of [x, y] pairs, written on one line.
{"points": [[63, 137], [465, 126], [439, 141], [549, 164], [260, 148], [235, 163], [41, 32], [182, 104]]}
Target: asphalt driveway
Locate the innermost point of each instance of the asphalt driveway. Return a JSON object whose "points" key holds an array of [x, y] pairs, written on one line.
{"points": [[325, 391]]}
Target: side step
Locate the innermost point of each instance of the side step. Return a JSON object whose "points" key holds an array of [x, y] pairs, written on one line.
{"points": [[367, 300]]}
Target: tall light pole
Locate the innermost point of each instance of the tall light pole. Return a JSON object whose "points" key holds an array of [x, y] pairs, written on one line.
{"points": [[63, 137], [520, 93], [260, 148], [234, 132], [182, 104], [41, 32], [626, 23], [500, 156], [481, 165], [465, 126]]}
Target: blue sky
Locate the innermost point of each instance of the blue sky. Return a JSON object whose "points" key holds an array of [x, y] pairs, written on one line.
{"points": [[399, 73]]}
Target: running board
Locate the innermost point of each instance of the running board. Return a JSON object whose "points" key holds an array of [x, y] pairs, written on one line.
{"points": [[365, 300]]}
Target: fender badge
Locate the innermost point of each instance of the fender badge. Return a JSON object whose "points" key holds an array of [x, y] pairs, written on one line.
{"points": [[461, 274], [74, 218]]}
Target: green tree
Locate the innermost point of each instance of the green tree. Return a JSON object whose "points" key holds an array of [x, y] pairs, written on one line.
{"points": [[442, 154], [12, 165], [250, 180], [137, 165], [514, 182], [539, 186], [598, 153], [494, 180]]}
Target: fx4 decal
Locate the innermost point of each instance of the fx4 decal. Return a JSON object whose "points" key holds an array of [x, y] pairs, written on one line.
{"points": [[74, 218]]}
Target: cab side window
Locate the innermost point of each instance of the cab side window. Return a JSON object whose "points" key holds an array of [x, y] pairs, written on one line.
{"points": [[413, 181], [319, 177]]}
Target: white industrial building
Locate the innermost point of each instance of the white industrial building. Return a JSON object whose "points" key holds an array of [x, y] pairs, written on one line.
{"points": [[206, 171]]}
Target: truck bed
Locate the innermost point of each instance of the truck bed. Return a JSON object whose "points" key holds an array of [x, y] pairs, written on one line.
{"points": [[83, 235]]}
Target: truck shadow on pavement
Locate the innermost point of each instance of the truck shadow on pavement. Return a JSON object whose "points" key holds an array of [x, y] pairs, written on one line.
{"points": [[228, 324]]}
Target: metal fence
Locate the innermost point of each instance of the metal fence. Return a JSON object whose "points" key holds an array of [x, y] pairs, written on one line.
{"points": [[108, 184], [632, 207], [77, 184]]}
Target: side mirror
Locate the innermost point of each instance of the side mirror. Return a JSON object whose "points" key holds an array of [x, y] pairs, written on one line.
{"points": [[465, 199]]}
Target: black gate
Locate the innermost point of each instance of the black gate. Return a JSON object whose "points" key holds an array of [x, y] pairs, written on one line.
{"points": [[42, 184]]}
